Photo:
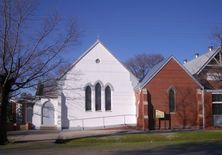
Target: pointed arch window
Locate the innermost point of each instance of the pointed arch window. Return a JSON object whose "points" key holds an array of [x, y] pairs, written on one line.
{"points": [[107, 98], [88, 99], [172, 100], [98, 97]]}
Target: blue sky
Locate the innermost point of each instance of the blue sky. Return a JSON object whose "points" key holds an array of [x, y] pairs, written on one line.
{"points": [[128, 27]]}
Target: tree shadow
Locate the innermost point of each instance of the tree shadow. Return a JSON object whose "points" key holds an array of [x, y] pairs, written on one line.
{"points": [[151, 113], [203, 148], [64, 114]]}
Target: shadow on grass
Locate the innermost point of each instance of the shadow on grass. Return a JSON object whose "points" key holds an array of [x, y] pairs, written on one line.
{"points": [[60, 140], [202, 148]]}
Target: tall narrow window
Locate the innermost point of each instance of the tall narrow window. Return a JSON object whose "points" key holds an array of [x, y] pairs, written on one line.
{"points": [[88, 98], [98, 97], [172, 100], [108, 98]]}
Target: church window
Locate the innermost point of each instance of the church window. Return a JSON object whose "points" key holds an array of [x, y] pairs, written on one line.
{"points": [[107, 98], [172, 100], [98, 97], [88, 93]]}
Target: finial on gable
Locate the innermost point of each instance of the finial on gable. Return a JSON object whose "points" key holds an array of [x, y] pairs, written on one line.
{"points": [[97, 37]]}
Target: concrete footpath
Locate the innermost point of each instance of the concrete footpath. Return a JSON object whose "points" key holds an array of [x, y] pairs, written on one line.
{"points": [[45, 135]]}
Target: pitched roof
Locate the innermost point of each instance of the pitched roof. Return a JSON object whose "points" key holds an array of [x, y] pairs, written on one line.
{"points": [[157, 68], [196, 65], [77, 60], [87, 51], [153, 72]]}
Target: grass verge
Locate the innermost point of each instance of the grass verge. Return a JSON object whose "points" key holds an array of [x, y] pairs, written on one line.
{"points": [[127, 141], [144, 140]]}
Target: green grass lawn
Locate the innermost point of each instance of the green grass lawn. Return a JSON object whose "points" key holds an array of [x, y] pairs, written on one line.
{"points": [[128, 141], [146, 139]]}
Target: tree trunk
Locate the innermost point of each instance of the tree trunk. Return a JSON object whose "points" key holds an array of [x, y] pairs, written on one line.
{"points": [[3, 115]]}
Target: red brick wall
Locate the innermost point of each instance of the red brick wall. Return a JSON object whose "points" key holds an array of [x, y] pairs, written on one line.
{"points": [[200, 108], [172, 75], [208, 109], [140, 113], [142, 119]]}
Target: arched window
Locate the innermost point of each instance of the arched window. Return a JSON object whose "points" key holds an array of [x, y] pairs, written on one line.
{"points": [[172, 100], [88, 98], [108, 98], [98, 96]]}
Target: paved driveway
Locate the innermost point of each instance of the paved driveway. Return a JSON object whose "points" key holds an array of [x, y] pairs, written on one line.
{"points": [[43, 135]]}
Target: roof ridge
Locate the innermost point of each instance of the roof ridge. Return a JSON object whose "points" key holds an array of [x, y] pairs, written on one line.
{"points": [[195, 65], [205, 53]]}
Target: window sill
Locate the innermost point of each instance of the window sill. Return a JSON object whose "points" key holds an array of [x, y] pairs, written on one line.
{"points": [[88, 110], [98, 110], [173, 113], [108, 110]]}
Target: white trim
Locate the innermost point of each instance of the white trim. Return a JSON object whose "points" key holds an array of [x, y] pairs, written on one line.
{"points": [[217, 102], [145, 102], [144, 91], [101, 84], [212, 56], [110, 85], [218, 91]]}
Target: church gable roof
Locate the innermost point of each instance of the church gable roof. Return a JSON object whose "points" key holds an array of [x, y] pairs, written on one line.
{"points": [[153, 72], [157, 68], [88, 51], [196, 65]]}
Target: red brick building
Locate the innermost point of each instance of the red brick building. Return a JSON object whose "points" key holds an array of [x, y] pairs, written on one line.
{"points": [[20, 113], [170, 97], [207, 69]]}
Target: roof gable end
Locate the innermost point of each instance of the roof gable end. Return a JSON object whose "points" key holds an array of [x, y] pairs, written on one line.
{"points": [[88, 51], [196, 65], [156, 69]]}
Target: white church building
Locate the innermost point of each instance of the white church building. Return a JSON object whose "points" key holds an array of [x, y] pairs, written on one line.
{"points": [[97, 91]]}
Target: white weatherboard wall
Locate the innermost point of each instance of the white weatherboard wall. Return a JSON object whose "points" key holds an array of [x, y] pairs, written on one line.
{"points": [[109, 71]]}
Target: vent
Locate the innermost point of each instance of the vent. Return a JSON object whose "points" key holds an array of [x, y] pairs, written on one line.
{"points": [[210, 48]]}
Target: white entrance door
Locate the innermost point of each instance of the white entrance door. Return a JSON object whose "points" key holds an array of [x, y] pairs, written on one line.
{"points": [[48, 114]]}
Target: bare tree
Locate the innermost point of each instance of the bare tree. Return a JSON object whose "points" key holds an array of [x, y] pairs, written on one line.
{"points": [[28, 52], [217, 35], [140, 64]]}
